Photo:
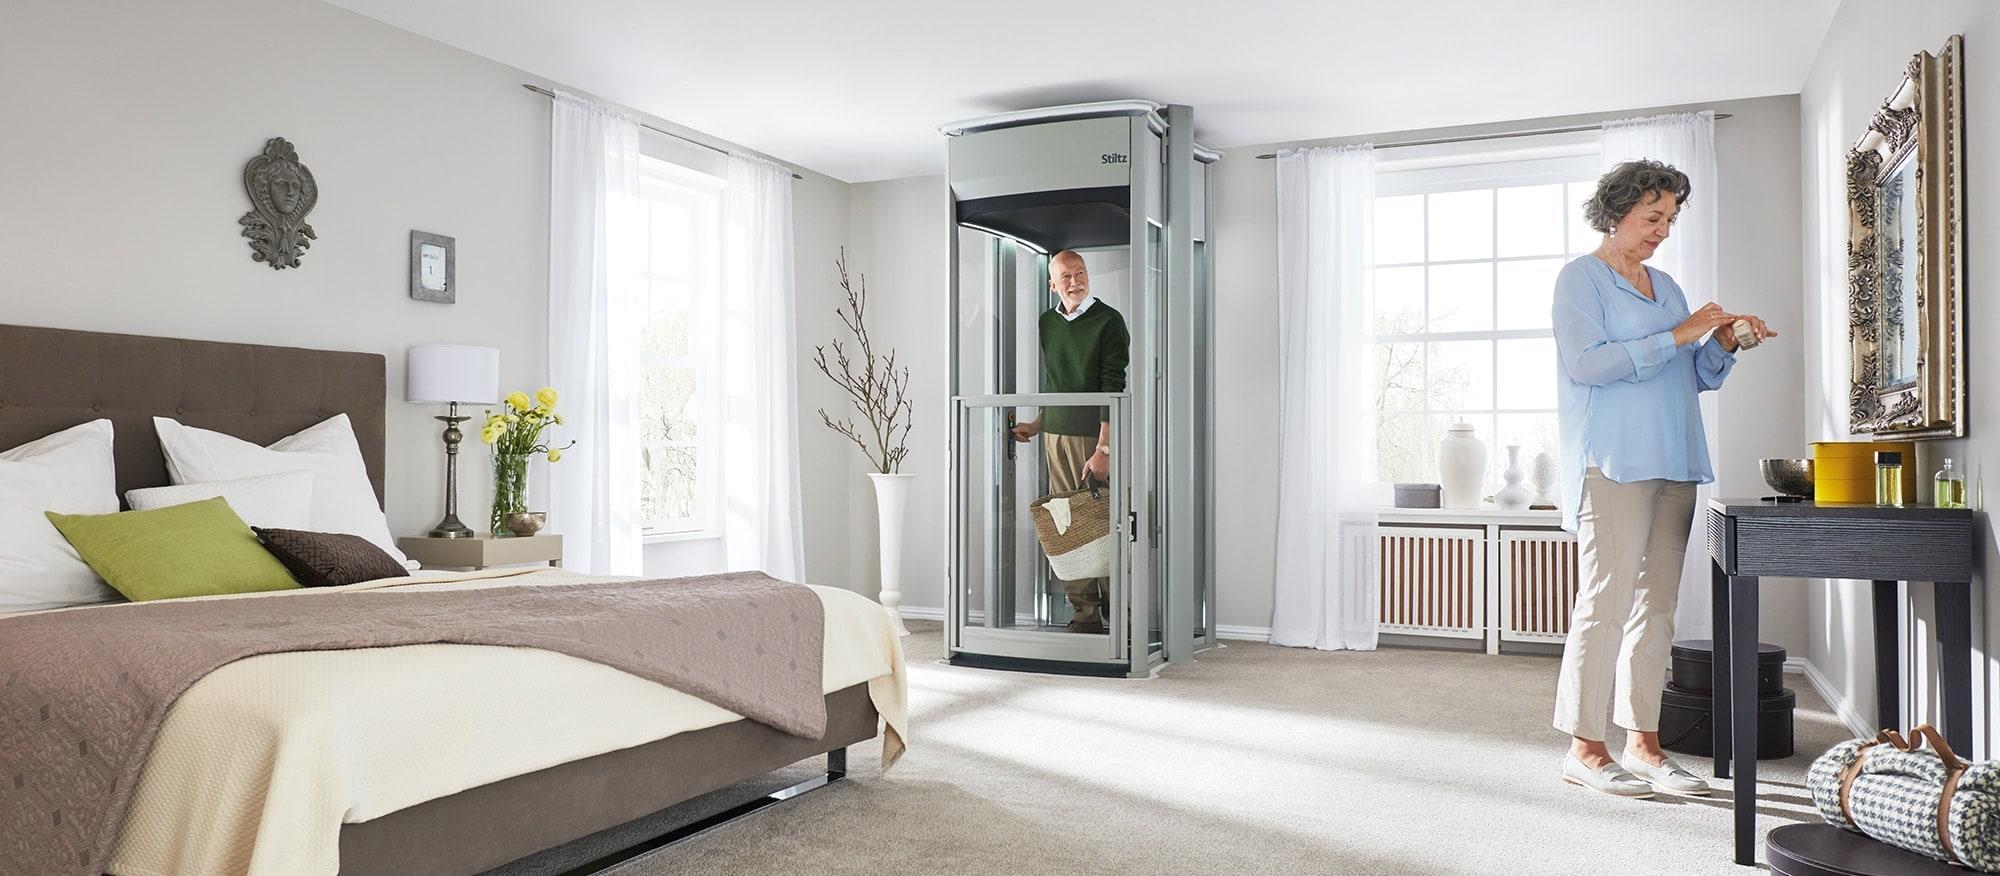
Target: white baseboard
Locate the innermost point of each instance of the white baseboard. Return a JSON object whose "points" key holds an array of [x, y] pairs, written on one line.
{"points": [[1842, 708], [1246, 634], [1225, 631]]}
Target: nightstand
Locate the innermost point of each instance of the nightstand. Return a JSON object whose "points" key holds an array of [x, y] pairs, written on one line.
{"points": [[482, 552]]}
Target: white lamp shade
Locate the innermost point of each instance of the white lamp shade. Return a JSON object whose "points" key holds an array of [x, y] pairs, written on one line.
{"points": [[439, 373]]}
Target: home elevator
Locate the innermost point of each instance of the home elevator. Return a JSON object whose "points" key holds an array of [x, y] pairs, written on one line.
{"points": [[1123, 185]]}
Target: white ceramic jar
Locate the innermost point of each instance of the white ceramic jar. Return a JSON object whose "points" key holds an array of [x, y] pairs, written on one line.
{"points": [[1461, 462]]}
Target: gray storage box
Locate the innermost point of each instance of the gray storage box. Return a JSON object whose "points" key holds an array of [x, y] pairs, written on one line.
{"points": [[1419, 495]]}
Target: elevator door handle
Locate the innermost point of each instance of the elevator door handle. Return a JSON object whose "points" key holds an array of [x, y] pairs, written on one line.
{"points": [[1007, 435]]}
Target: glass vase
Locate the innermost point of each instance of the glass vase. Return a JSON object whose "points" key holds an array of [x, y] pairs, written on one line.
{"points": [[510, 490]]}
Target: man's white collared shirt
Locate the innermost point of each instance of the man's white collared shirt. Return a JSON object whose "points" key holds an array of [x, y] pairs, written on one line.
{"points": [[1072, 315]]}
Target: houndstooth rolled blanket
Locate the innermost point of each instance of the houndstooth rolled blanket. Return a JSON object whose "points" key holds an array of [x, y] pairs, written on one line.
{"points": [[1892, 790]]}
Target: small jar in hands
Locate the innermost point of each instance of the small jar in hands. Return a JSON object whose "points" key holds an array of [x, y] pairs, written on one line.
{"points": [[1746, 334]]}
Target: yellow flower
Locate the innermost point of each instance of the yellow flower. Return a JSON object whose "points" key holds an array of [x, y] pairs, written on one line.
{"points": [[555, 456], [540, 411], [489, 434], [517, 400], [547, 396], [511, 419]]}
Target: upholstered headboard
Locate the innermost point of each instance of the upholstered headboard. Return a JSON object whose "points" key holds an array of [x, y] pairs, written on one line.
{"points": [[51, 379]]}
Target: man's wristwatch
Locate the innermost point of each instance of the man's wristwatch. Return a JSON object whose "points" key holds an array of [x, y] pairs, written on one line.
{"points": [[1104, 449]]}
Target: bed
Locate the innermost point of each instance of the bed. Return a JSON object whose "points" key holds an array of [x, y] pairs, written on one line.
{"points": [[415, 758]]}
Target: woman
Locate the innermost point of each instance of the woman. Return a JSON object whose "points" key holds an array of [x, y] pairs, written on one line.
{"points": [[1633, 361]]}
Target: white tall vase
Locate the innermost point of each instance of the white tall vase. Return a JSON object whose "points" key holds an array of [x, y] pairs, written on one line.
{"points": [[892, 502], [1514, 496], [1461, 464]]}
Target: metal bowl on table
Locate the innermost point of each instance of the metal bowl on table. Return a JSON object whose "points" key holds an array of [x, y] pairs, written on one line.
{"points": [[1790, 477]]}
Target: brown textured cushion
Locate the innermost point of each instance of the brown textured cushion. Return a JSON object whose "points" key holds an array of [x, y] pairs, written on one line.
{"points": [[329, 559]]}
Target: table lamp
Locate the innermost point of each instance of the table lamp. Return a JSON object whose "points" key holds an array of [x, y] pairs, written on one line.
{"points": [[451, 374]]}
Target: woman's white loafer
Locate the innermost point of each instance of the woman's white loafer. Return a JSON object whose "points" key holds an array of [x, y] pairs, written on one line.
{"points": [[1667, 777], [1612, 779]]}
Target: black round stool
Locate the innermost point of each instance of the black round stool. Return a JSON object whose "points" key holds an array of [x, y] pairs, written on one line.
{"points": [[1825, 850]]}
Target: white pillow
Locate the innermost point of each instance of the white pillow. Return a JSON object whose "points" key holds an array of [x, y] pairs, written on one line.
{"points": [[343, 500], [279, 501], [69, 472]]}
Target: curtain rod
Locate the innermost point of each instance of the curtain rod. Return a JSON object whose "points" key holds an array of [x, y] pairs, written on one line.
{"points": [[547, 93], [1439, 141]]}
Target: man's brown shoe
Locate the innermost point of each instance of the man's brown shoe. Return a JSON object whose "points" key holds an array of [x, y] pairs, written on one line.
{"points": [[1085, 627]]}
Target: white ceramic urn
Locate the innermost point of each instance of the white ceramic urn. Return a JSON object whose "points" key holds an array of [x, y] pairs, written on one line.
{"points": [[1461, 466]]}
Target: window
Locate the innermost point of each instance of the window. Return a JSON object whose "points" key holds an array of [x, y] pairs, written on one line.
{"points": [[1466, 255], [679, 393]]}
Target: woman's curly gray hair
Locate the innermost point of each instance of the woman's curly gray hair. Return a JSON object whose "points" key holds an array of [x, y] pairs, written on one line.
{"points": [[1628, 185]]}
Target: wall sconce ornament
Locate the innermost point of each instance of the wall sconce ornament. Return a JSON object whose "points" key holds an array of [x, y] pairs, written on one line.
{"points": [[281, 192]]}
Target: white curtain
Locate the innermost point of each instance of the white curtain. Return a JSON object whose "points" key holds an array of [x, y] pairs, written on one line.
{"points": [[1686, 141], [761, 527], [596, 233], [1328, 558]]}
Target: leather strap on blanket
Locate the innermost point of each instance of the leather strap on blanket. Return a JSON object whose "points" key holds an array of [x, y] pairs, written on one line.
{"points": [[1953, 770]]}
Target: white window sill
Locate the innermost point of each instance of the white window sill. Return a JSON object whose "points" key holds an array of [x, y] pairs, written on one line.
{"points": [[673, 537], [1478, 516]]}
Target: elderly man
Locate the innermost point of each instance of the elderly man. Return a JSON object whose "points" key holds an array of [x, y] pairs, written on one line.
{"points": [[1085, 348]]}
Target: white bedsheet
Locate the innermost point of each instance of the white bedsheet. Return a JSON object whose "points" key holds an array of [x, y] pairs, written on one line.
{"points": [[258, 764]]}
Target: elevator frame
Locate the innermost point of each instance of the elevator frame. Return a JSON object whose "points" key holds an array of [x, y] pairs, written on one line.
{"points": [[1162, 426]]}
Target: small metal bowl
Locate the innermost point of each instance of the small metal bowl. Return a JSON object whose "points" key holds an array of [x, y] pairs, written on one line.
{"points": [[1790, 477], [524, 523]]}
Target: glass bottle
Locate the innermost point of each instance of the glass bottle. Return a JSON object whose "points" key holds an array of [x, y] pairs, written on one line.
{"points": [[1889, 478], [1949, 486]]}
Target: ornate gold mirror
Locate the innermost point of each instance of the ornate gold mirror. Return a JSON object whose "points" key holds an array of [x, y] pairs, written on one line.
{"points": [[1905, 257]]}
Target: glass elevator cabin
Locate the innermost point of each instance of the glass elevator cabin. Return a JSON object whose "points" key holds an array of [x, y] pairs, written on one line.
{"points": [[1123, 185]]}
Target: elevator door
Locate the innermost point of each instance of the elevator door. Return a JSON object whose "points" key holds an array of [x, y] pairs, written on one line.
{"points": [[1012, 599]]}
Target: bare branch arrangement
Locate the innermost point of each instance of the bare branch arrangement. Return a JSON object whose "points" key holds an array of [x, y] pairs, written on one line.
{"points": [[878, 390]]}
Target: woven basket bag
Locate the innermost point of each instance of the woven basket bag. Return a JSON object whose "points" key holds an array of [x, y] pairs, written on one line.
{"points": [[1084, 552]]}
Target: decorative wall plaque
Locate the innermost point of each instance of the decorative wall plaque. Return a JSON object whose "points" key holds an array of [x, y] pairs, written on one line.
{"points": [[433, 268], [281, 193]]}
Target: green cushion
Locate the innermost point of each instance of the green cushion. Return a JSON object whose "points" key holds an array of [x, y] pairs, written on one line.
{"points": [[197, 549]]}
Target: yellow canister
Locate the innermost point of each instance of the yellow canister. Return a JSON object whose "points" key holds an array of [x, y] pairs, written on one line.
{"points": [[1844, 471]]}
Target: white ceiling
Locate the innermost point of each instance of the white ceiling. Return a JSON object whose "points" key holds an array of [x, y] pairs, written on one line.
{"points": [[856, 89]]}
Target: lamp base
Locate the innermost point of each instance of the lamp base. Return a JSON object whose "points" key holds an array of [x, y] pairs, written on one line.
{"points": [[449, 527]]}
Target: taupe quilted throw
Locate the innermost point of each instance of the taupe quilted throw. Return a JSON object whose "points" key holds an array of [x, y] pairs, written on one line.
{"points": [[83, 692]]}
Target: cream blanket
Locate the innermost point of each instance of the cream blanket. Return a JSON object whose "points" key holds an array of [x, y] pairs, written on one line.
{"points": [[258, 764]]}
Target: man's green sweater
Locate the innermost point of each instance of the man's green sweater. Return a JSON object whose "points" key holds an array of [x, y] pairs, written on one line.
{"points": [[1086, 354]]}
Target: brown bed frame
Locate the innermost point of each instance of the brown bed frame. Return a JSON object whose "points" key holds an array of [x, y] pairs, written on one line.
{"points": [[51, 379]]}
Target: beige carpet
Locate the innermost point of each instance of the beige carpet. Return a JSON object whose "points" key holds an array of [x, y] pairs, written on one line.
{"points": [[1255, 760]]}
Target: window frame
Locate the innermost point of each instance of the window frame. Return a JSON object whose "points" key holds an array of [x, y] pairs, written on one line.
{"points": [[1566, 158], [665, 181]]}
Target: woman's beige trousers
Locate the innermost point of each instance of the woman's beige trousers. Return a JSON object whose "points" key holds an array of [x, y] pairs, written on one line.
{"points": [[1630, 542]]}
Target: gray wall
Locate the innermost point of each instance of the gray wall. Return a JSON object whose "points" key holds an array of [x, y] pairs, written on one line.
{"points": [[128, 125], [1758, 230], [1859, 65], [898, 239]]}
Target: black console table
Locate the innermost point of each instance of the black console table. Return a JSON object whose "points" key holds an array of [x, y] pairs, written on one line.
{"points": [[1751, 539]]}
